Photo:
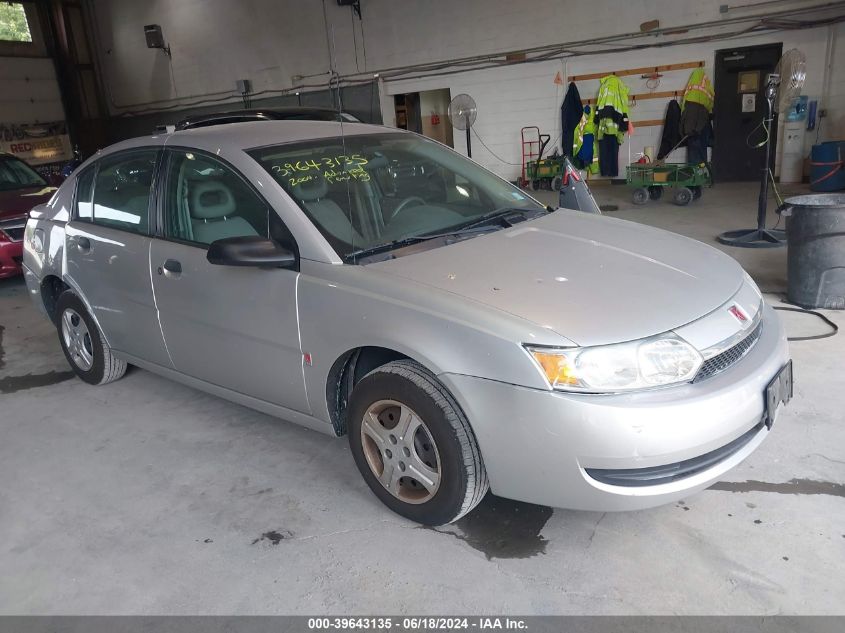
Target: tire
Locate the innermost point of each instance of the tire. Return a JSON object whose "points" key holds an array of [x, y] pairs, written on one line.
{"points": [[557, 181], [444, 446], [640, 195], [86, 352], [682, 197], [696, 192], [655, 192], [536, 184]]}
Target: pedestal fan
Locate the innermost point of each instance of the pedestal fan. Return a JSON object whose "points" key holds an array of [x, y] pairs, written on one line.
{"points": [[462, 113], [783, 85]]}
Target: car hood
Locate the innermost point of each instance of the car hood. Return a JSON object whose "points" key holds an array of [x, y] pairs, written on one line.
{"points": [[592, 279], [19, 201]]}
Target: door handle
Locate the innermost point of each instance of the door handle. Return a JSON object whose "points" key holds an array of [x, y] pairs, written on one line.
{"points": [[171, 268], [82, 244]]}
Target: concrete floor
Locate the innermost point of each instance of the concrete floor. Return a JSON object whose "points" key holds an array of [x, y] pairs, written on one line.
{"points": [[149, 497]]}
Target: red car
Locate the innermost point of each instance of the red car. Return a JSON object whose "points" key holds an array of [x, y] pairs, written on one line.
{"points": [[21, 188]]}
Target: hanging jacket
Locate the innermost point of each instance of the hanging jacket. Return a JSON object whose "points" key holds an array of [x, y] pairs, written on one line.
{"points": [[611, 114], [570, 115], [583, 147], [699, 90], [671, 136], [694, 119]]}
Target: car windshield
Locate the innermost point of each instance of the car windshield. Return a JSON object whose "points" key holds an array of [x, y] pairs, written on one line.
{"points": [[16, 174], [365, 192]]}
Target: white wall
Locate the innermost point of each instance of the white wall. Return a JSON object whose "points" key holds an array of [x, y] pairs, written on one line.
{"points": [[515, 96], [272, 42]]}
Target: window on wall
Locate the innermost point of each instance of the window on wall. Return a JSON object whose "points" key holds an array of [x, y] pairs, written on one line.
{"points": [[13, 23]]}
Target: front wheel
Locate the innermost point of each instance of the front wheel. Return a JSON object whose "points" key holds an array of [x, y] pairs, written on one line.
{"points": [[639, 195], [88, 354], [683, 195], [413, 444]]}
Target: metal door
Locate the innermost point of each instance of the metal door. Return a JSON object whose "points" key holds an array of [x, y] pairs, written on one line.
{"points": [[739, 107], [107, 252], [235, 327]]}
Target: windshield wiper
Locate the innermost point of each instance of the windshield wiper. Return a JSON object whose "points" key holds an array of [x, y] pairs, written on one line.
{"points": [[491, 216], [478, 225]]}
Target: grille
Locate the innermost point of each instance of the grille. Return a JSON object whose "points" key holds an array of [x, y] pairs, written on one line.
{"points": [[16, 235], [721, 362], [14, 229]]}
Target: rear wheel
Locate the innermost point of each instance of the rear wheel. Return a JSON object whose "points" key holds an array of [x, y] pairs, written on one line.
{"points": [[557, 181], [89, 356], [683, 195], [655, 192], [413, 445], [536, 184], [640, 195], [696, 192]]}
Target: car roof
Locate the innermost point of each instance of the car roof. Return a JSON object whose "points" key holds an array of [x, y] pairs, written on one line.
{"points": [[252, 134]]}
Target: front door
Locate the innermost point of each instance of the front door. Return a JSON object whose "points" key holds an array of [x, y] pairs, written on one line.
{"points": [[738, 110], [234, 327], [107, 246]]}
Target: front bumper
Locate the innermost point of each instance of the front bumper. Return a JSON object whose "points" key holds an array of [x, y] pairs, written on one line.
{"points": [[11, 256], [538, 446]]}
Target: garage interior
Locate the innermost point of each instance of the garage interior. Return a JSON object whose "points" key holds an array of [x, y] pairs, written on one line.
{"points": [[149, 497]]}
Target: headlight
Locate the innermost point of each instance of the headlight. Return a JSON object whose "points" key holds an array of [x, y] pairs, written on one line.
{"points": [[658, 361], [37, 240]]}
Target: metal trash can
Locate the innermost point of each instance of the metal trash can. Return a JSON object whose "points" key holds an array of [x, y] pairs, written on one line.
{"points": [[815, 233]]}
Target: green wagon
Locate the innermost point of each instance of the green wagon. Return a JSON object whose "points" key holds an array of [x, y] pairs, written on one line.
{"points": [[546, 173], [649, 180]]}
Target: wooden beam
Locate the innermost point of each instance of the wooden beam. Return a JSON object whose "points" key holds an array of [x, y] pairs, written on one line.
{"points": [[645, 70], [647, 123]]}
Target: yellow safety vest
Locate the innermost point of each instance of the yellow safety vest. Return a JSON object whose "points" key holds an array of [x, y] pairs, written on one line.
{"points": [[586, 126], [614, 93], [698, 90]]}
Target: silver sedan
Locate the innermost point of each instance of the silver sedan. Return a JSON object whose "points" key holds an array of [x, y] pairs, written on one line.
{"points": [[368, 282]]}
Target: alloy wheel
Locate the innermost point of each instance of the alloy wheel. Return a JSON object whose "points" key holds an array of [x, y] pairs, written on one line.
{"points": [[77, 339], [400, 451]]}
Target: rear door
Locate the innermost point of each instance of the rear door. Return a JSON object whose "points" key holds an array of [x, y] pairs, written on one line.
{"points": [[107, 246], [235, 327]]}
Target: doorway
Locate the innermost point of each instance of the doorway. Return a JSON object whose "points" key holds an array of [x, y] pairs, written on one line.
{"points": [[738, 111], [425, 113]]}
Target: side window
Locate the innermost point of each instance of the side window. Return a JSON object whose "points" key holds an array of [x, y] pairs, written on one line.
{"points": [[122, 190], [207, 201], [84, 188]]}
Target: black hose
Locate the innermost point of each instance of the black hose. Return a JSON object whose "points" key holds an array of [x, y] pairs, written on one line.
{"points": [[833, 326]]}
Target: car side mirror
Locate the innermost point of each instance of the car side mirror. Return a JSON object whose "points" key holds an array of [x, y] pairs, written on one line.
{"points": [[250, 251]]}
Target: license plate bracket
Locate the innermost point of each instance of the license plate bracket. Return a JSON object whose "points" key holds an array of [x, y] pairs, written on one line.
{"points": [[779, 390]]}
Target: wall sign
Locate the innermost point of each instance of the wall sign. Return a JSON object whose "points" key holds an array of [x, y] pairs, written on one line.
{"points": [[37, 144], [749, 103], [749, 81]]}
